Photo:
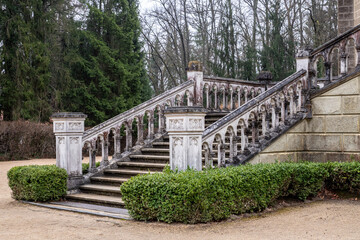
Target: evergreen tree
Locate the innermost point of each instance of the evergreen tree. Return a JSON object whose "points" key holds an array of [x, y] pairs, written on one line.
{"points": [[108, 70]]}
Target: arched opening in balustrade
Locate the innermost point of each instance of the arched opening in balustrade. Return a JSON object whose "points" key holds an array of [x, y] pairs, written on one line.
{"points": [[222, 98], [242, 143], [272, 114], [148, 123], [167, 104], [258, 92], [335, 63], [207, 160], [319, 66], [253, 130], [214, 98], [206, 96], [230, 146], [178, 101], [351, 55], [218, 150]]}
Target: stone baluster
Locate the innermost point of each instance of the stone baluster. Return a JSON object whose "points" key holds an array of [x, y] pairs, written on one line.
{"points": [[104, 149], [358, 55], [207, 156], [291, 107], [343, 63], [150, 135], [117, 143], [282, 111], [252, 93], [263, 122], [299, 93], [243, 138], [207, 97], [140, 131], [246, 94], [273, 116], [231, 107], [234, 151], [215, 99], [91, 147], [161, 121], [128, 136], [221, 154], [223, 99], [239, 98], [254, 132]]}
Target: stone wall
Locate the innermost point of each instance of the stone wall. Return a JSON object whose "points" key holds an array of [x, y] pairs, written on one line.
{"points": [[356, 12], [333, 133], [345, 15]]}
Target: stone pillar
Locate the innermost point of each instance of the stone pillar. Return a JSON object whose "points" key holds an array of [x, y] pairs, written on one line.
{"points": [[185, 126], [195, 73], [69, 129], [343, 63]]}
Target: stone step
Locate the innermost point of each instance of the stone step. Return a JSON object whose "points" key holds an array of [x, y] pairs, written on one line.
{"points": [[101, 189], [142, 166], [126, 173], [155, 150], [97, 199], [115, 181], [161, 145], [150, 158]]}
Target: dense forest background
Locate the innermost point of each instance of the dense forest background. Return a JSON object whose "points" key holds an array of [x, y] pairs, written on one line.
{"points": [[102, 57]]}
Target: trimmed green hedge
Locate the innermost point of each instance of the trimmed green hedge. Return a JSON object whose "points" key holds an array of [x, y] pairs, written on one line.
{"points": [[37, 183], [214, 194]]}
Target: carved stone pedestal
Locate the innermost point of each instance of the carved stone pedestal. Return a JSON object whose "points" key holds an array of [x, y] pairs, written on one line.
{"points": [[69, 129], [185, 126]]}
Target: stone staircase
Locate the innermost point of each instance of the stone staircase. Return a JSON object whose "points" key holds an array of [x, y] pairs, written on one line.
{"points": [[104, 189]]}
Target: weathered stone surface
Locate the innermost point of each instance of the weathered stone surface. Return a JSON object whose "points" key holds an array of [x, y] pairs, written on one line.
{"points": [[349, 88], [300, 127], [351, 143], [342, 124], [342, 157], [351, 104], [312, 156], [295, 142], [278, 146], [315, 125], [326, 105], [323, 142]]}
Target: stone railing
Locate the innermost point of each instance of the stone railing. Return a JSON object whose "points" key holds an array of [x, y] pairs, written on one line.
{"points": [[149, 112], [335, 58], [226, 94], [261, 119]]}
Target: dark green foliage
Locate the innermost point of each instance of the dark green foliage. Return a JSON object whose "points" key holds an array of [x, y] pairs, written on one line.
{"points": [[215, 194], [307, 179], [49, 61], [85, 167], [344, 176], [37, 183]]}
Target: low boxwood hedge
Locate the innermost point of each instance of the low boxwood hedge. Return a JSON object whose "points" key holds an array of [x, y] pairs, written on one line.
{"points": [[37, 183], [212, 195]]}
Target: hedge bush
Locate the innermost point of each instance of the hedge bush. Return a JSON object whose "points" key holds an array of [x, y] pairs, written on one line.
{"points": [[37, 183], [214, 194]]}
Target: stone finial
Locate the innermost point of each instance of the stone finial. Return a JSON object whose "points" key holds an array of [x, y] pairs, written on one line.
{"points": [[195, 66]]}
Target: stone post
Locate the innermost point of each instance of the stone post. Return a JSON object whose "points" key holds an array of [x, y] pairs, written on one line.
{"points": [[185, 126], [69, 129], [303, 60], [195, 73]]}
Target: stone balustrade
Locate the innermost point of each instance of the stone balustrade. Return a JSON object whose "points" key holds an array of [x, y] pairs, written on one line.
{"points": [[245, 130]]}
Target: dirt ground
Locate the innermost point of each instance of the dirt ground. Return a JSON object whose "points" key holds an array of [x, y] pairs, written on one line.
{"points": [[328, 219]]}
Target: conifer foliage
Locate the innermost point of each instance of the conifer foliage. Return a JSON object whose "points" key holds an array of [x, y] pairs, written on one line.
{"points": [[67, 56]]}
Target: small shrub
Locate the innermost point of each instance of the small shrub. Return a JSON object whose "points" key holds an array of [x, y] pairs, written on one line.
{"points": [[344, 176], [85, 167], [37, 183]]}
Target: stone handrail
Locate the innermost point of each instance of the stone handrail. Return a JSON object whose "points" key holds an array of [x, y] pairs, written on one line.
{"points": [[264, 113]]}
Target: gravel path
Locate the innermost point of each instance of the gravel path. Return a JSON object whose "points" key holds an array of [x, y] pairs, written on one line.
{"points": [[330, 219]]}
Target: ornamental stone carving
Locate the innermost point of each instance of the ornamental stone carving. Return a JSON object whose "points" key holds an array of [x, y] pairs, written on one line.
{"points": [[195, 123], [176, 124], [61, 140], [74, 140], [75, 126], [59, 126]]}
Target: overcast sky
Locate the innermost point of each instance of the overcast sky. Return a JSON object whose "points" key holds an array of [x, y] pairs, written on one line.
{"points": [[145, 4]]}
